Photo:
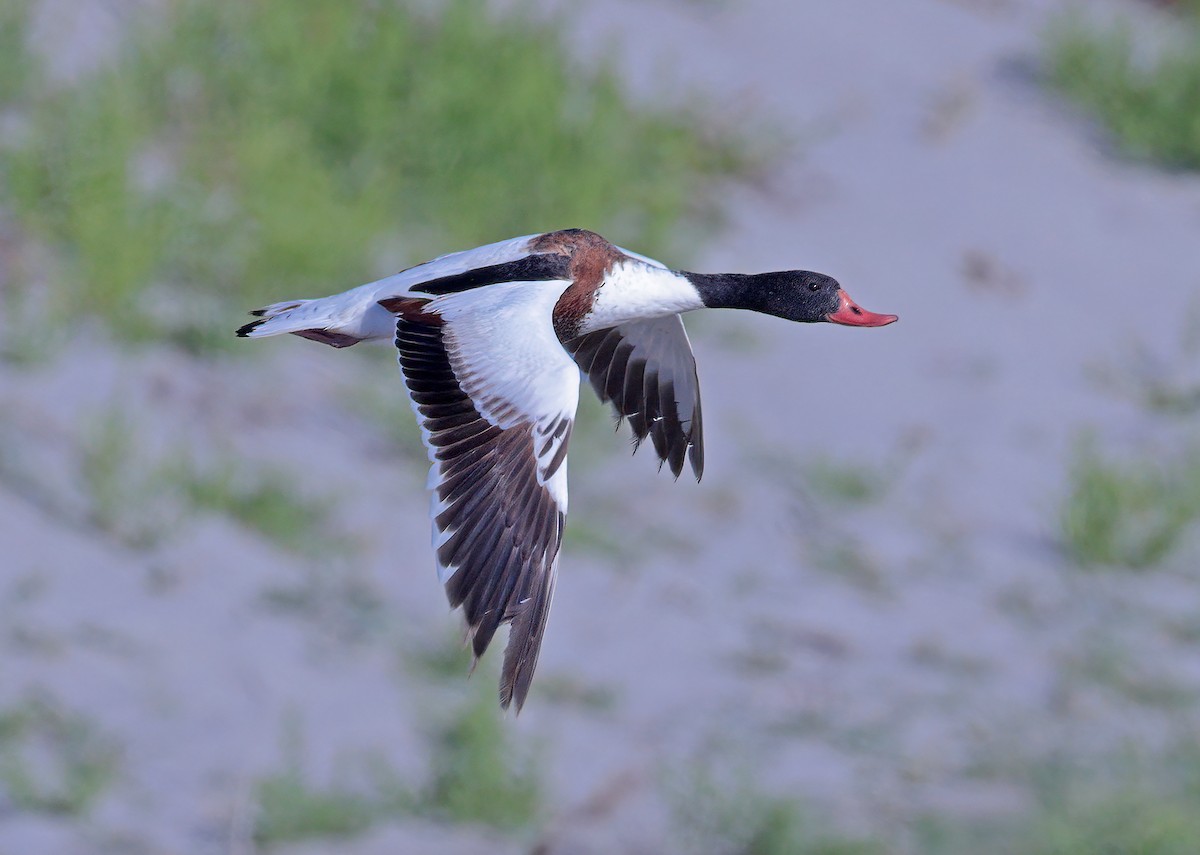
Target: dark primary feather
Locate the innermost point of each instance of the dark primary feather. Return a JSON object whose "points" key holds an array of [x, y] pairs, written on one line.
{"points": [[646, 369], [528, 269], [504, 527]]}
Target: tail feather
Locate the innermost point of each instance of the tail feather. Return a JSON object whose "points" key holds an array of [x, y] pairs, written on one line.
{"points": [[305, 318], [284, 317], [339, 320], [244, 331]]}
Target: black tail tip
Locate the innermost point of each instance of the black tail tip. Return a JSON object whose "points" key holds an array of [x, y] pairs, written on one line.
{"points": [[245, 331]]}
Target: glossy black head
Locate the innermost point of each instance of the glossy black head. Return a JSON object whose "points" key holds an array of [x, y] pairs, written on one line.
{"points": [[796, 295], [800, 295]]}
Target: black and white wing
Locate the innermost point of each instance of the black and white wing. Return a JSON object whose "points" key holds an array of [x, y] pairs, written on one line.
{"points": [[647, 370], [495, 394]]}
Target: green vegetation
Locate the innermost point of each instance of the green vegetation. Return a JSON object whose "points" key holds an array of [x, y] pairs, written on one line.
{"points": [[1134, 823], [288, 809], [447, 658], [1129, 514], [829, 483], [140, 500], [477, 775], [1131, 802], [1152, 107], [1126, 805], [1103, 663], [845, 482], [566, 690], [598, 534], [232, 153], [343, 604], [1160, 376], [14, 59], [380, 400], [266, 501], [846, 556], [125, 497], [51, 760], [725, 814]]}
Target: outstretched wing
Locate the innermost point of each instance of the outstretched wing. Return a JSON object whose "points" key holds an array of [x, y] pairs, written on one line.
{"points": [[647, 370], [495, 394]]}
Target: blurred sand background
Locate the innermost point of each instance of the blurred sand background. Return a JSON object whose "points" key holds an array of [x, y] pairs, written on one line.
{"points": [[864, 620]]}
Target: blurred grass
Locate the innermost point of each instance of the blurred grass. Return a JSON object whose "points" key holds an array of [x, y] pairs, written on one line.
{"points": [[14, 58], [267, 501], [478, 775], [442, 659], [563, 689], [1149, 101], [847, 482], [332, 597], [1129, 514], [125, 498], [723, 812], [1131, 824], [142, 500], [289, 809], [1129, 801], [1128, 804], [1161, 376], [230, 153], [1106, 664], [52, 760]]}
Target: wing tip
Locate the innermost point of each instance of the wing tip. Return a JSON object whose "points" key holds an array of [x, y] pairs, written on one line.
{"points": [[514, 688]]}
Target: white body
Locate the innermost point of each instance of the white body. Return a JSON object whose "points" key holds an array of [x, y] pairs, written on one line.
{"points": [[636, 289]]}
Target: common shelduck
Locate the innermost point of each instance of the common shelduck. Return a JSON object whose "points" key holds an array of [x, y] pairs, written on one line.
{"points": [[492, 341]]}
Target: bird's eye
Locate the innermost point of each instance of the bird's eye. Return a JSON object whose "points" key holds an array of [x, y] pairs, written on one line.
{"points": [[814, 286]]}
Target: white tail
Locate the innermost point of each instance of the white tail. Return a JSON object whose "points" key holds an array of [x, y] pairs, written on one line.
{"points": [[326, 320], [355, 315], [288, 316]]}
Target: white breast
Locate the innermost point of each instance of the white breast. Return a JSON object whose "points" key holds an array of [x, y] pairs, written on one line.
{"points": [[635, 290]]}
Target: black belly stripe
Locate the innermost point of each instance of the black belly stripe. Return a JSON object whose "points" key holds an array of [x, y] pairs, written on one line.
{"points": [[528, 269]]}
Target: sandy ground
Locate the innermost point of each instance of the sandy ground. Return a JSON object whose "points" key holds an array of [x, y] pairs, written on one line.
{"points": [[878, 659]]}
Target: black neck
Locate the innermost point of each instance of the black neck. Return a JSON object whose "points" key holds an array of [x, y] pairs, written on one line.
{"points": [[735, 290]]}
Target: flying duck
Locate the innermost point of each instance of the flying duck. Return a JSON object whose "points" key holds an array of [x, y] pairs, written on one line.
{"points": [[491, 343]]}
